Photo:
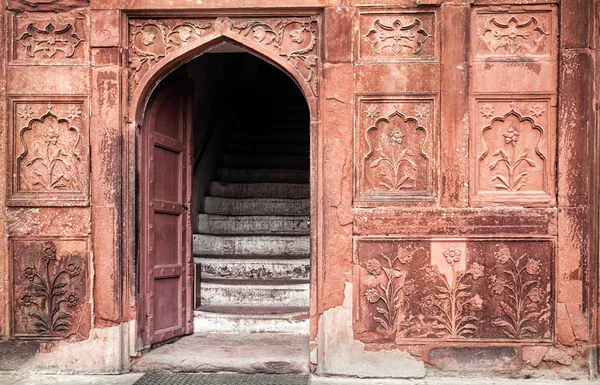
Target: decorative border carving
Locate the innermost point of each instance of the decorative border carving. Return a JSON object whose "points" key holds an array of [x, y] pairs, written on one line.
{"points": [[448, 289], [395, 150], [512, 151], [48, 152], [294, 39]]}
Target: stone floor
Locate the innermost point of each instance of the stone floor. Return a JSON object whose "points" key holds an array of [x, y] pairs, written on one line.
{"points": [[255, 353], [131, 378]]}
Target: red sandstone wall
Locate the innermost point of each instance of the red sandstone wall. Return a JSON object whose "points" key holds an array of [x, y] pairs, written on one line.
{"points": [[454, 165]]}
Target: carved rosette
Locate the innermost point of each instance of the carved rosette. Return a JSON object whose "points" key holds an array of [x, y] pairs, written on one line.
{"points": [[455, 290], [395, 149], [293, 39], [513, 34], [49, 145], [513, 148], [50, 298], [62, 39], [402, 36]]}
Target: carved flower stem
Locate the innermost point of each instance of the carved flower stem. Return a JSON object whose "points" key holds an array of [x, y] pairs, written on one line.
{"points": [[517, 295], [453, 321], [396, 165], [512, 183]]}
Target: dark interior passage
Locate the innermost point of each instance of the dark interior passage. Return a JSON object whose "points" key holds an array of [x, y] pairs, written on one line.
{"points": [[251, 196]]}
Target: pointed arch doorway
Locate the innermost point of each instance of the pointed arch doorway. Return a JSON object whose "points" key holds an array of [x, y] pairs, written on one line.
{"points": [[196, 184]]}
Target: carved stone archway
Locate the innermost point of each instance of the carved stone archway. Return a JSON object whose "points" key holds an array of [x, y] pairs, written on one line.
{"points": [[158, 47]]}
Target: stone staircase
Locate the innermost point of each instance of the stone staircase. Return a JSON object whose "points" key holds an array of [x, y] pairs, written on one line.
{"points": [[252, 248]]}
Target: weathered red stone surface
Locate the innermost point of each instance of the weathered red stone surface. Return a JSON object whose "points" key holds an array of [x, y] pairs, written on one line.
{"points": [[45, 5], [453, 158]]}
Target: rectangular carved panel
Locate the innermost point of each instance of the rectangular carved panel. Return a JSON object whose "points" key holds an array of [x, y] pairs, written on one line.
{"points": [[49, 288], [48, 152], [454, 290], [388, 36], [513, 98], [40, 40], [501, 35], [395, 151], [513, 143]]}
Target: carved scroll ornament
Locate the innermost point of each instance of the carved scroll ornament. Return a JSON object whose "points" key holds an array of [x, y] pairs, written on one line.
{"points": [[294, 39], [515, 36], [397, 37]]}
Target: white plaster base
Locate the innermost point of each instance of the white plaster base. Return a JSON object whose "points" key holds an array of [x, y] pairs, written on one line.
{"points": [[340, 354]]}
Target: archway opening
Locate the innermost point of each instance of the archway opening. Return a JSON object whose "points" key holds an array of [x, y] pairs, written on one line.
{"points": [[250, 202]]}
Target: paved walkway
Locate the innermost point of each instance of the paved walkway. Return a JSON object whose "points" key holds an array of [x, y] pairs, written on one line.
{"points": [[131, 378]]}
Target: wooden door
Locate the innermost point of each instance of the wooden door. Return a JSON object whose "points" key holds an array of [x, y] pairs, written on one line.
{"points": [[166, 255]]}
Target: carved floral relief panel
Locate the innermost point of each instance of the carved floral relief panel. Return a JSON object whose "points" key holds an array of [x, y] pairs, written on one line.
{"points": [[512, 35], [42, 40], [393, 36], [294, 39], [395, 152], [49, 152], [49, 293], [454, 289], [513, 151]]}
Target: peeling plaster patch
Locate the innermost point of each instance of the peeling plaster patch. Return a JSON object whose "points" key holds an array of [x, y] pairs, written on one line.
{"points": [[340, 354], [104, 352]]}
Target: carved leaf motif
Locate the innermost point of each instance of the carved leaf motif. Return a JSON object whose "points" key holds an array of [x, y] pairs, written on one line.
{"points": [[151, 40]]}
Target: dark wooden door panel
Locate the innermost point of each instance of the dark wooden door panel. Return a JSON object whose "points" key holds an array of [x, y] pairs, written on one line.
{"points": [[166, 223]]}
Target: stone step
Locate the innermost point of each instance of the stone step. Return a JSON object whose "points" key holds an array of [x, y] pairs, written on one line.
{"points": [[260, 161], [259, 268], [252, 319], [256, 206], [267, 245], [225, 225], [260, 190], [261, 175], [229, 292], [267, 148]]}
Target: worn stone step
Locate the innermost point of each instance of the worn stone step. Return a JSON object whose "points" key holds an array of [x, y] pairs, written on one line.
{"points": [[261, 175], [252, 319], [259, 268], [229, 292], [223, 224], [271, 245], [265, 161], [256, 206], [260, 190]]}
